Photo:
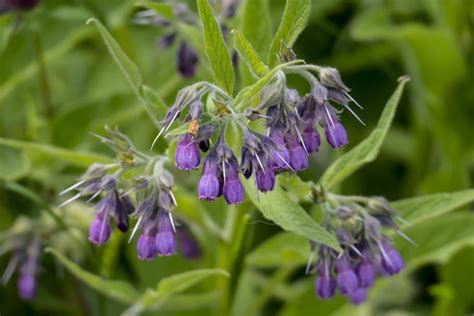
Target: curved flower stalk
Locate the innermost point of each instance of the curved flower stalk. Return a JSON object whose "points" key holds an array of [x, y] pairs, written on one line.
{"points": [[187, 58], [147, 197], [358, 223]]}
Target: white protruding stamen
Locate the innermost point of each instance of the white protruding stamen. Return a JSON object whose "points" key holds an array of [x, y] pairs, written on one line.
{"points": [[137, 225], [94, 196], [260, 163], [172, 222], [411, 241], [332, 123], [75, 197], [356, 250], [355, 115], [72, 187], [283, 159], [173, 198], [302, 141], [310, 263], [353, 100], [223, 171]]}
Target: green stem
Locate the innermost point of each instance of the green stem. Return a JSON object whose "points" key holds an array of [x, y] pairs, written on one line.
{"points": [[266, 292], [42, 76], [228, 250]]}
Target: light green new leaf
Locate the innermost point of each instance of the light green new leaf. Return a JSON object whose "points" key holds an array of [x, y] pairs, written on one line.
{"points": [[256, 25], [247, 94], [118, 290], [74, 157], [367, 150], [167, 287], [292, 24], [216, 49], [282, 250], [417, 210], [249, 55], [126, 65], [438, 239], [277, 207]]}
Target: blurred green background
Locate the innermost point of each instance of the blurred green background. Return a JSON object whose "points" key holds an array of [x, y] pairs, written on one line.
{"points": [[58, 84]]}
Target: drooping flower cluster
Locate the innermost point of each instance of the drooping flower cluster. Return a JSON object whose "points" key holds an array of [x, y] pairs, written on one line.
{"points": [[291, 131], [153, 205], [367, 251], [187, 58], [24, 246]]}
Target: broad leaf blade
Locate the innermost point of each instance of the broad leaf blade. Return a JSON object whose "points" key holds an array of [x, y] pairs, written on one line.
{"points": [[13, 163], [417, 210], [256, 26], [367, 150], [216, 49], [277, 207], [126, 65], [169, 287], [438, 239], [294, 20], [118, 290], [282, 250], [248, 54]]}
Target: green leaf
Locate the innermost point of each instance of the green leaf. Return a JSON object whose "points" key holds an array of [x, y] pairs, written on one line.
{"points": [[13, 163], [126, 65], [216, 49], [438, 239], [277, 207], [249, 55], [150, 96], [292, 24], [247, 94], [168, 287], [367, 150], [256, 25], [163, 9], [74, 157], [282, 250], [117, 290], [417, 210]]}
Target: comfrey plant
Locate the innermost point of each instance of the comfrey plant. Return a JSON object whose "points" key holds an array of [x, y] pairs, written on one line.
{"points": [[367, 250], [243, 140], [153, 204], [187, 58]]}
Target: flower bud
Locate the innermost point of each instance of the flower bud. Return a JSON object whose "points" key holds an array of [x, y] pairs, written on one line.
{"points": [[165, 239], [336, 135], [167, 40], [189, 244], [359, 296], [265, 179], [391, 260], [325, 286], [311, 139], [209, 184], [233, 190], [100, 230], [187, 154], [346, 278], [331, 78], [298, 156], [365, 273], [146, 245], [187, 60], [27, 286]]}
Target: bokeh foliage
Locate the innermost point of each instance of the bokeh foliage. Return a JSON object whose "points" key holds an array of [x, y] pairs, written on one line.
{"points": [[58, 84]]}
